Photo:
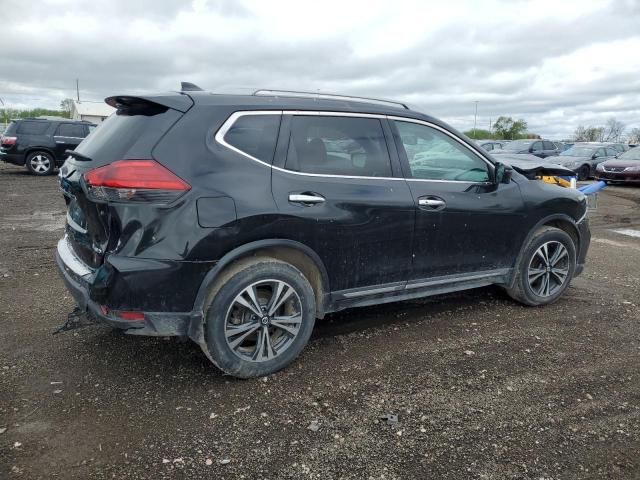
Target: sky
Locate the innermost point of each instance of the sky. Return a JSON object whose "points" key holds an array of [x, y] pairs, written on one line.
{"points": [[557, 64]]}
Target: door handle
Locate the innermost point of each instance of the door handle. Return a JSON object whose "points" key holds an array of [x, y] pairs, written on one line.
{"points": [[432, 203], [307, 198]]}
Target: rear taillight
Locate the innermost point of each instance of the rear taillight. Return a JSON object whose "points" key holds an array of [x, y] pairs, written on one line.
{"points": [[134, 181], [8, 141]]}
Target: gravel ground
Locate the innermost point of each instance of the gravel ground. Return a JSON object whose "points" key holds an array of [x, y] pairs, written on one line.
{"points": [[482, 387]]}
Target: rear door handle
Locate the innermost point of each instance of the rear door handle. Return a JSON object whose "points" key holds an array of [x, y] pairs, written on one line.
{"points": [[306, 198], [431, 203]]}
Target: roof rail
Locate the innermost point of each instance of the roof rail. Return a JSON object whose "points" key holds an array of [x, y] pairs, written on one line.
{"points": [[329, 96]]}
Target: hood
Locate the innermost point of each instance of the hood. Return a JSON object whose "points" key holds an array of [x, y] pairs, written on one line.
{"points": [[531, 166], [568, 158], [618, 162]]}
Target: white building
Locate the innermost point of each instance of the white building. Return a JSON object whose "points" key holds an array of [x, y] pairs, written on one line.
{"points": [[94, 112]]}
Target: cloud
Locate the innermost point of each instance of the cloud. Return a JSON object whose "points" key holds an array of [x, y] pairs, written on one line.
{"points": [[555, 64]]}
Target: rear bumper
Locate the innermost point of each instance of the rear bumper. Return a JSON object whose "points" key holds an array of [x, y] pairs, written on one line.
{"points": [[14, 158], [79, 280]]}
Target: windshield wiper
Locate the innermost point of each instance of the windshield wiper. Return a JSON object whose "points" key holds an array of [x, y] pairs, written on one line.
{"points": [[78, 156]]}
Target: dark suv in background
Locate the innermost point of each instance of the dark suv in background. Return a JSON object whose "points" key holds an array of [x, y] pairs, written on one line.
{"points": [[40, 144], [539, 148], [239, 220]]}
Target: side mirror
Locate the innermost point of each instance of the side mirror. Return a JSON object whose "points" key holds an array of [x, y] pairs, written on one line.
{"points": [[502, 173]]}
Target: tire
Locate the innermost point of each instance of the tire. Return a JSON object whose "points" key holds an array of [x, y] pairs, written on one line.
{"points": [[584, 172], [529, 282], [235, 334], [40, 163]]}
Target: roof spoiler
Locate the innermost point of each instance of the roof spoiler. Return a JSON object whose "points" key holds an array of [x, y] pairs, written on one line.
{"points": [[182, 103]]}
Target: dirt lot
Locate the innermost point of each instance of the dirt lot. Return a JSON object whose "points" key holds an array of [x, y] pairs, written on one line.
{"points": [[483, 388]]}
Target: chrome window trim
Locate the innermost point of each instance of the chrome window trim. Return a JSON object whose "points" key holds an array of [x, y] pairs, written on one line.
{"points": [[228, 123]]}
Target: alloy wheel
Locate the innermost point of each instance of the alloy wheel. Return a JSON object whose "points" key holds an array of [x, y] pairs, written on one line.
{"points": [[263, 320], [40, 163], [548, 269]]}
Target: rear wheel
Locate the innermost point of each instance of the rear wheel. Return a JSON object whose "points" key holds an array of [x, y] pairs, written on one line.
{"points": [[545, 269], [260, 319], [40, 163]]}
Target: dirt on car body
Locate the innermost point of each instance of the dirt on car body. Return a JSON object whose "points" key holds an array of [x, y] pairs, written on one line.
{"points": [[481, 386]]}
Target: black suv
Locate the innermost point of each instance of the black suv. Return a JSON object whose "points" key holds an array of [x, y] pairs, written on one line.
{"points": [[239, 220], [39, 144]]}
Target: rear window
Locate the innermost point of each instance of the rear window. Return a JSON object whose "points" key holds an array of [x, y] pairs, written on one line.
{"points": [[128, 133], [32, 128], [11, 129], [255, 135]]}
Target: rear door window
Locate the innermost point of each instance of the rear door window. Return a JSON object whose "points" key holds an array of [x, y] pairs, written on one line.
{"points": [[255, 135], [347, 146], [71, 130], [32, 128], [549, 146], [612, 152]]}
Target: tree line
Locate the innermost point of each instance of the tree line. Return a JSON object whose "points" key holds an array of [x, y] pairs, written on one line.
{"points": [[611, 131], [8, 114], [505, 128]]}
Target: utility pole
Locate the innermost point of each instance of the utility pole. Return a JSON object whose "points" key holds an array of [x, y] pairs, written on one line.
{"points": [[78, 89], [475, 118]]}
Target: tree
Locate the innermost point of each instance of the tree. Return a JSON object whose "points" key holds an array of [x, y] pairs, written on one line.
{"points": [[66, 106], [10, 113], [509, 129], [634, 136], [479, 133], [587, 134], [612, 131]]}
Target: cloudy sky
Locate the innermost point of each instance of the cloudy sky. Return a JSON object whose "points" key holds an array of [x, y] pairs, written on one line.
{"points": [[557, 64]]}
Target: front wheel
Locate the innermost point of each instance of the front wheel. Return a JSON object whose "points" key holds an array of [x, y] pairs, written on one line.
{"points": [[545, 268], [260, 319], [584, 172]]}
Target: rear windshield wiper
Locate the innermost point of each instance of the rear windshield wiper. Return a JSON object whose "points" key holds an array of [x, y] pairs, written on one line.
{"points": [[78, 156]]}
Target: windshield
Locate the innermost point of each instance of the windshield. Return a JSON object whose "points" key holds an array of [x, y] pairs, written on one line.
{"points": [[579, 152], [518, 145], [633, 154]]}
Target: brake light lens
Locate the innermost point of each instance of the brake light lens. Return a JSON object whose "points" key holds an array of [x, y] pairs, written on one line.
{"points": [[8, 141], [135, 181]]}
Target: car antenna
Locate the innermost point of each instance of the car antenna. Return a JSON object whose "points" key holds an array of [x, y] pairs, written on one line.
{"points": [[190, 87]]}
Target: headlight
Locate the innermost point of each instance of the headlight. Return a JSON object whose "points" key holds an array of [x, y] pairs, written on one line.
{"points": [[600, 167], [632, 169]]}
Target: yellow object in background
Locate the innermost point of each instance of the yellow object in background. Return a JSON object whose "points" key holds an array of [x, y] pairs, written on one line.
{"points": [[555, 180]]}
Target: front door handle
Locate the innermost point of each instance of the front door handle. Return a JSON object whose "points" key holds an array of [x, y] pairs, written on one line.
{"points": [[306, 198], [431, 203]]}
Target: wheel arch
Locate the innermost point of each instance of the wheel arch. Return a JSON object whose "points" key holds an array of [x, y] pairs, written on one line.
{"points": [[29, 150], [295, 253], [559, 220]]}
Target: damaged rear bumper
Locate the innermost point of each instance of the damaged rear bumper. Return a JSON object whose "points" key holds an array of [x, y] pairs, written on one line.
{"points": [[79, 278]]}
